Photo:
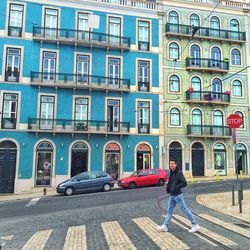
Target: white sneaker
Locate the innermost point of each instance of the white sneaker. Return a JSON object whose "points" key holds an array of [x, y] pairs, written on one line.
{"points": [[194, 229], [162, 228]]}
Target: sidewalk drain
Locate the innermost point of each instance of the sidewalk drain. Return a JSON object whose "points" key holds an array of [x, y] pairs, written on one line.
{"points": [[242, 225]]}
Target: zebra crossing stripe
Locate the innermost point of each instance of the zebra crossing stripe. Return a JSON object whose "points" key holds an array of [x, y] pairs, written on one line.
{"points": [[225, 241], [116, 237], [229, 226], [198, 235], [38, 240], [76, 238], [166, 241]]}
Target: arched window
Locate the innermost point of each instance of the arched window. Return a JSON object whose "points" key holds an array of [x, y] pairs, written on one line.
{"points": [[174, 83], [194, 20], [174, 51], [44, 164], [173, 21], [196, 117], [214, 26], [234, 29], [218, 118], [217, 89], [235, 57], [196, 83], [195, 53], [242, 116], [220, 159], [237, 88], [175, 119]]}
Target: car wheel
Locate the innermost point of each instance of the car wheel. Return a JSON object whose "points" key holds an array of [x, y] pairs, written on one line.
{"points": [[106, 187], [161, 182], [132, 185], [69, 191]]}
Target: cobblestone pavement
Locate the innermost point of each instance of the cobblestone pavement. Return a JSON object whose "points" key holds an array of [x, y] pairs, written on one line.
{"points": [[132, 225]]}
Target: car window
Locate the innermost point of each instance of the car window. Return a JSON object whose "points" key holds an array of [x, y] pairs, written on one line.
{"points": [[84, 176], [153, 172], [144, 173], [95, 175], [135, 173]]}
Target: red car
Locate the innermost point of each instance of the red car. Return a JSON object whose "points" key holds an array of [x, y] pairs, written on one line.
{"points": [[144, 177]]}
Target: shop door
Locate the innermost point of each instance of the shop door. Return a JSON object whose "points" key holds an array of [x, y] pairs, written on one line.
{"points": [[197, 159], [112, 164]]}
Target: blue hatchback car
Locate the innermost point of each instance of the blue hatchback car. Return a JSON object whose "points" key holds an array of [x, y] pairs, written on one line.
{"points": [[93, 180]]}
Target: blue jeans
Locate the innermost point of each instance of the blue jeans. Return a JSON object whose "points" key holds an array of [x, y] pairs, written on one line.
{"points": [[178, 199]]}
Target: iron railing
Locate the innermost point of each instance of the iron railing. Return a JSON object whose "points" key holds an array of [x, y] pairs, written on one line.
{"points": [[206, 63], [15, 31], [8, 123], [143, 128], [208, 96], [12, 76], [209, 130]]}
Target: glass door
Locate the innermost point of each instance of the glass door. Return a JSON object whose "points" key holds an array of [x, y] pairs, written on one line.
{"points": [[114, 30], [113, 115], [83, 26], [113, 164], [47, 112], [51, 23], [114, 72], [49, 66], [82, 69], [81, 114]]}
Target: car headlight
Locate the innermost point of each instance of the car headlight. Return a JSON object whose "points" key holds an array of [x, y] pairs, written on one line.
{"points": [[61, 185]]}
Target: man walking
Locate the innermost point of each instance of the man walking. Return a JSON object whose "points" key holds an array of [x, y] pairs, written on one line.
{"points": [[176, 182]]}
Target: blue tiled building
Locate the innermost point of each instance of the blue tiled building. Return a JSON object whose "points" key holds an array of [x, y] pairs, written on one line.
{"points": [[79, 89]]}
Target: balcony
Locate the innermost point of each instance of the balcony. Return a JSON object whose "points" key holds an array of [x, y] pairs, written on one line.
{"points": [[205, 33], [80, 38], [208, 131], [77, 81], [207, 97], [207, 65], [143, 128], [144, 46], [65, 126], [15, 31], [12, 76], [8, 123], [143, 86]]}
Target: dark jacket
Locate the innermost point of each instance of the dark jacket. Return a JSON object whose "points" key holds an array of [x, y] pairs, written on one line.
{"points": [[176, 182]]}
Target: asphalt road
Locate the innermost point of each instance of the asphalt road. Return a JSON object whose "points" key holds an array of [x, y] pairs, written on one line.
{"points": [[19, 221]]}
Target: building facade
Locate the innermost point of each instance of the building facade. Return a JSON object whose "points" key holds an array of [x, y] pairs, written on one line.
{"points": [[206, 48], [79, 89]]}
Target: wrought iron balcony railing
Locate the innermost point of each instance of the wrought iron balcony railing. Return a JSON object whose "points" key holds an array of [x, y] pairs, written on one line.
{"points": [[208, 131], [207, 96], [143, 46], [15, 31], [78, 126], [8, 123], [143, 86], [205, 32], [143, 128], [65, 80], [12, 76], [82, 38], [206, 64]]}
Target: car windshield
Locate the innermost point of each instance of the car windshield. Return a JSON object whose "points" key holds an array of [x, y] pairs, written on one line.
{"points": [[76, 177], [135, 173]]}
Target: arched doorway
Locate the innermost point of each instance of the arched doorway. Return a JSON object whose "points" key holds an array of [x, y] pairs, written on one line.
{"points": [[112, 154], [143, 157], [197, 159], [175, 152], [8, 152], [220, 164], [79, 158], [241, 158]]}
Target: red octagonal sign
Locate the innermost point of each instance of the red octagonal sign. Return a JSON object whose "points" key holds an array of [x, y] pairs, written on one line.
{"points": [[234, 121]]}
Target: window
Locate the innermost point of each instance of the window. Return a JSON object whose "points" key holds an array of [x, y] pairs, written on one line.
{"points": [[83, 26], [194, 20], [47, 104], [82, 69], [220, 165], [216, 57], [173, 21], [175, 118], [143, 76], [143, 42], [218, 118], [234, 29], [81, 114], [237, 88], [15, 27], [49, 66], [217, 89], [195, 55], [215, 26], [235, 57], [113, 115], [9, 112], [143, 173], [174, 51], [242, 116], [174, 83], [196, 86], [153, 172], [51, 23], [196, 121], [114, 69], [44, 166], [143, 117], [12, 69], [115, 30]]}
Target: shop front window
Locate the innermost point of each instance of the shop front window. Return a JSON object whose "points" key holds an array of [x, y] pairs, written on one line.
{"points": [[220, 159], [113, 160]]}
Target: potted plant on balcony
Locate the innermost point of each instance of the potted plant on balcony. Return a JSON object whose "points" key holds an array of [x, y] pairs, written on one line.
{"points": [[226, 60], [228, 92], [190, 90]]}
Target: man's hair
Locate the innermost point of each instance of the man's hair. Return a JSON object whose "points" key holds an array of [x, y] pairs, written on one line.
{"points": [[173, 160]]}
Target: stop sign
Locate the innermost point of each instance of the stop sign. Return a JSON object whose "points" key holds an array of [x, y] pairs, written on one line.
{"points": [[234, 121]]}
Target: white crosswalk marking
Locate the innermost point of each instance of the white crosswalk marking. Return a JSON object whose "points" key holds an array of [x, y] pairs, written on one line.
{"points": [[33, 202], [76, 238], [166, 241], [116, 237], [225, 241], [38, 240], [229, 226]]}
